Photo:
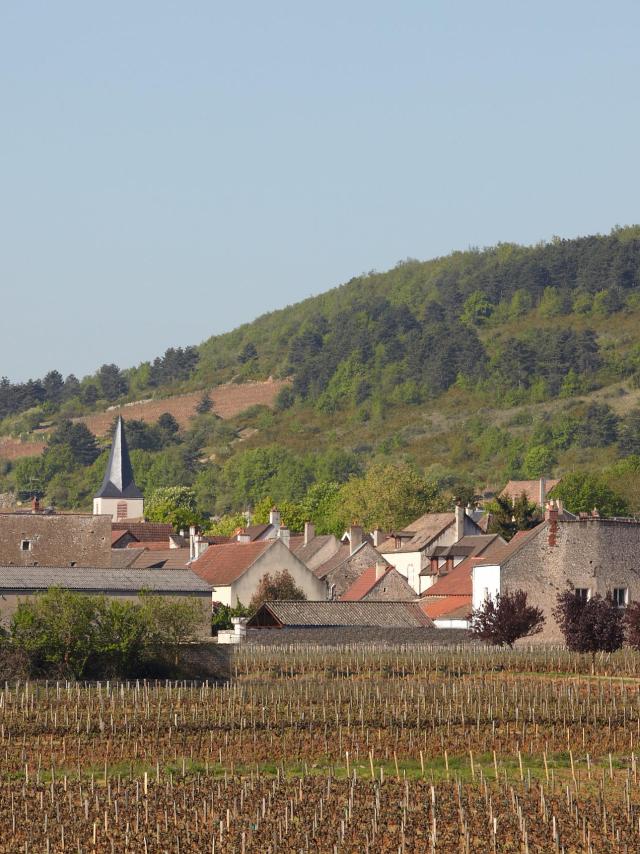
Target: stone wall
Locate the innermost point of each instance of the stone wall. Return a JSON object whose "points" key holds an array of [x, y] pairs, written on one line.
{"points": [[393, 588], [341, 636], [344, 575], [57, 539], [597, 554]]}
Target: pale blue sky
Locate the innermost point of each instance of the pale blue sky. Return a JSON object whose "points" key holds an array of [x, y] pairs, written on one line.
{"points": [[169, 170]]}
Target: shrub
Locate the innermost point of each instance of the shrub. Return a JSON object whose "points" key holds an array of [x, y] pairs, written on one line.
{"points": [[504, 620]]}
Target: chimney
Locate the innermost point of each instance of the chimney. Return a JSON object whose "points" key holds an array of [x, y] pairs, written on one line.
{"points": [[551, 516], [377, 535], [35, 504], [460, 514], [542, 494], [242, 536], [595, 513], [381, 568], [355, 537], [309, 532], [174, 542], [192, 542], [284, 534], [274, 518]]}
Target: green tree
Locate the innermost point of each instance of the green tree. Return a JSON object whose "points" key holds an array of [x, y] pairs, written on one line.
{"points": [[171, 622], [174, 504], [205, 404], [80, 441], [388, 496], [476, 309], [581, 492], [507, 517], [227, 525], [599, 427], [629, 437], [120, 638], [538, 461], [57, 631]]}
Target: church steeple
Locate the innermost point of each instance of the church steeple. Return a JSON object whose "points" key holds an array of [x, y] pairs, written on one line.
{"points": [[119, 496]]}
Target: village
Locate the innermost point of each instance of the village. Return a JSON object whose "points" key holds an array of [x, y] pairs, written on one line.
{"points": [[416, 585]]}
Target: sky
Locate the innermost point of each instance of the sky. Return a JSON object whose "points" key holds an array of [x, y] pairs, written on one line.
{"points": [[169, 170]]}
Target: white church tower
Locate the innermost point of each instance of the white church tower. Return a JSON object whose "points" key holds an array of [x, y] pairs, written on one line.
{"points": [[119, 497]]}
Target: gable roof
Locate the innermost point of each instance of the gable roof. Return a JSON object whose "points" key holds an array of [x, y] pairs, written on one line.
{"points": [[116, 536], [378, 614], [500, 554], [307, 552], [368, 580], [118, 479], [531, 488], [421, 532], [222, 565]]}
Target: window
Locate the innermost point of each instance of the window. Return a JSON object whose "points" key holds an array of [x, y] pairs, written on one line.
{"points": [[620, 596], [583, 593], [25, 546], [121, 510]]}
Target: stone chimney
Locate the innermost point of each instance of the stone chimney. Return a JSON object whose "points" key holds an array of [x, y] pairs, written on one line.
{"points": [[551, 516], [309, 532], [192, 542], [355, 537], [284, 534], [377, 535], [274, 518], [381, 569], [542, 492], [460, 514]]}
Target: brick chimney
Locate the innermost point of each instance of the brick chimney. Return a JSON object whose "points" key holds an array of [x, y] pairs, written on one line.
{"points": [[551, 516], [309, 532], [355, 537]]}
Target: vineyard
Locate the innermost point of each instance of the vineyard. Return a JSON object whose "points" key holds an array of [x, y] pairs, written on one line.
{"points": [[342, 750]]}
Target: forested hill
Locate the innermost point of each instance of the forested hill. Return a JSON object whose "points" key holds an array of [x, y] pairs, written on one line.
{"points": [[474, 367]]}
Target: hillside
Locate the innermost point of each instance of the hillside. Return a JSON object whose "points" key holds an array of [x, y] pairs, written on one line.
{"points": [[473, 368]]}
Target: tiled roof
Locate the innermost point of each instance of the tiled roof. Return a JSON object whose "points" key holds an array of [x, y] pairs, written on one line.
{"points": [[340, 556], [149, 545], [118, 535], [222, 565], [29, 578], [255, 531], [449, 607], [145, 531], [531, 488], [424, 529], [499, 554], [363, 584], [125, 557], [379, 614], [315, 544], [162, 558]]}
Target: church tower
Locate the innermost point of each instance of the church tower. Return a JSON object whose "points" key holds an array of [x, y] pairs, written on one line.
{"points": [[119, 497]]}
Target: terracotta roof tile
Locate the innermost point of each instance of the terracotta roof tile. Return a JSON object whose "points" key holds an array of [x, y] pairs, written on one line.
{"points": [[451, 607], [145, 531], [363, 584], [222, 565]]}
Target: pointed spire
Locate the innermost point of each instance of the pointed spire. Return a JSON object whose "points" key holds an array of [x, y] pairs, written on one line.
{"points": [[118, 479]]}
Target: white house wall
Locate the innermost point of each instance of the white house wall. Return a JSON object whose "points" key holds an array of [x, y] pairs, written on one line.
{"points": [[486, 584]]}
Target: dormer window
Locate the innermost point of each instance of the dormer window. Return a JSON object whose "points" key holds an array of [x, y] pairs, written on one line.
{"points": [[25, 545]]}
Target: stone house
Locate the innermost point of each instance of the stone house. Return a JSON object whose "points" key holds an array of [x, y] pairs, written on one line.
{"points": [[234, 570], [348, 562], [379, 583], [590, 554], [47, 538], [411, 551]]}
